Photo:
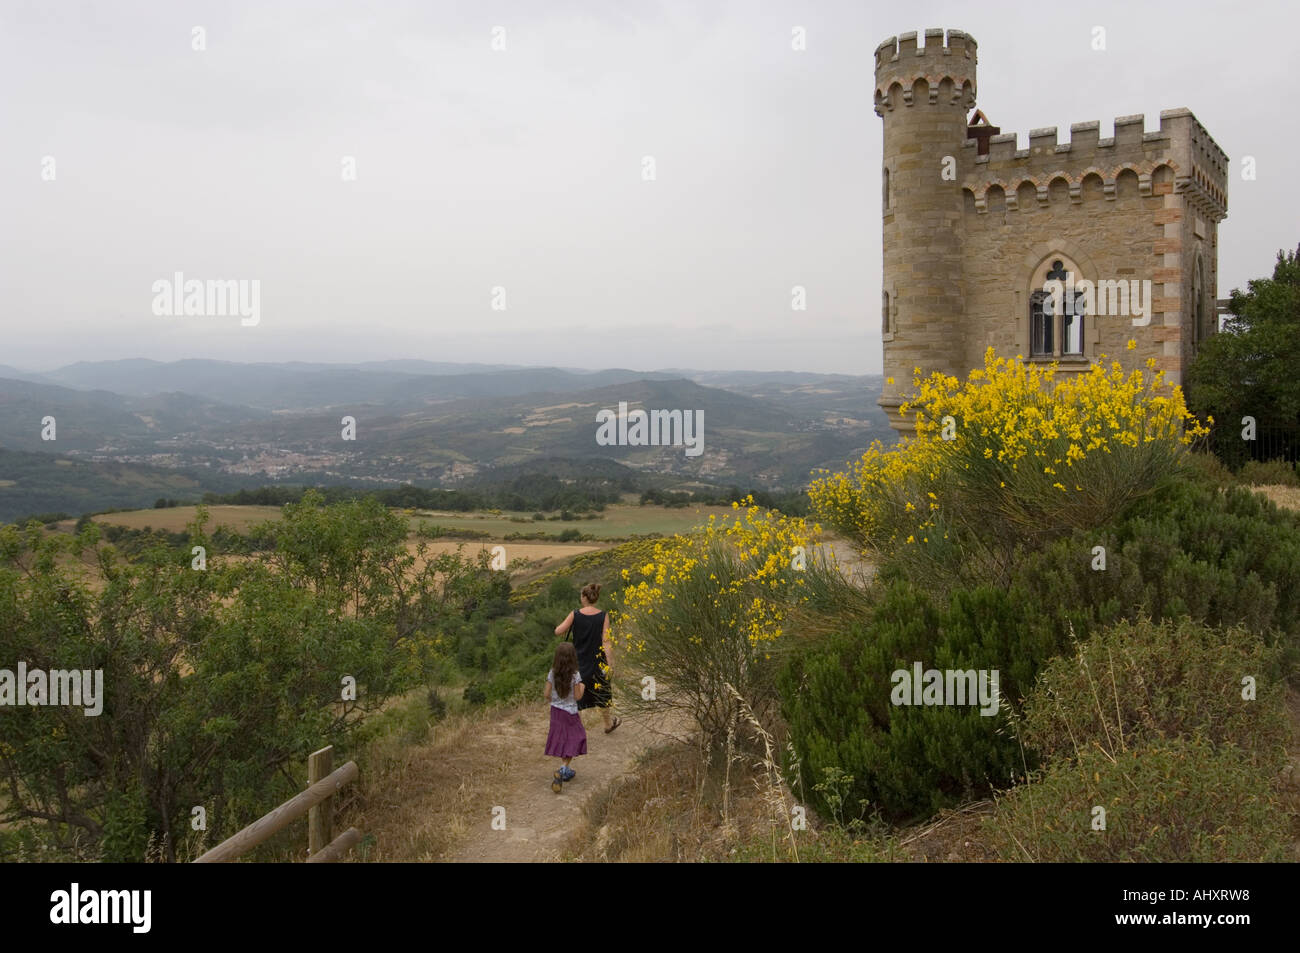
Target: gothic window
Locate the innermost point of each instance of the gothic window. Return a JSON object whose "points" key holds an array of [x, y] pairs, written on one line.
{"points": [[884, 198], [1053, 334], [1041, 320], [884, 312]]}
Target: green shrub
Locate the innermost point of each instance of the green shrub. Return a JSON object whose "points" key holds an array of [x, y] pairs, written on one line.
{"points": [[1216, 557], [908, 761], [1134, 684], [1210, 468], [1221, 557], [1272, 473], [1178, 800]]}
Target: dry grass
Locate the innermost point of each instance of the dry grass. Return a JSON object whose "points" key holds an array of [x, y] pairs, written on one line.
{"points": [[418, 802], [174, 519], [672, 809], [1284, 496]]}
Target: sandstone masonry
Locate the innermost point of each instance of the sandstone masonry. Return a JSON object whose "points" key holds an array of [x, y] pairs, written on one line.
{"points": [[974, 225]]}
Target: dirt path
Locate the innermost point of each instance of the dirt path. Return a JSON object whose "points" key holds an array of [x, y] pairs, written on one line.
{"points": [[538, 822]]}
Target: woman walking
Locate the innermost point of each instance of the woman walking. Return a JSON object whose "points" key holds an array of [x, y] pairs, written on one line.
{"points": [[589, 629]]}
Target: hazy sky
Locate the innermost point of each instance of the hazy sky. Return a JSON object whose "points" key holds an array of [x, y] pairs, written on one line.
{"points": [[522, 168]]}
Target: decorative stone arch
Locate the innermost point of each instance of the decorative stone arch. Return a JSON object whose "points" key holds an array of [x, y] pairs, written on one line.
{"points": [[956, 93], [887, 100], [995, 198], [1025, 197], [1066, 190], [1087, 193]]}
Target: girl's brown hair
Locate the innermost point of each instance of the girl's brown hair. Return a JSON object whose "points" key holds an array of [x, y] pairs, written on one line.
{"points": [[563, 668], [591, 592]]}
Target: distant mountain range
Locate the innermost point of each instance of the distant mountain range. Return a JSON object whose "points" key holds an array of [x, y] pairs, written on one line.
{"points": [[219, 425]]}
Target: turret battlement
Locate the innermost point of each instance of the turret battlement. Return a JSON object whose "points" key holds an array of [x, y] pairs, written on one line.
{"points": [[901, 64], [1181, 143]]}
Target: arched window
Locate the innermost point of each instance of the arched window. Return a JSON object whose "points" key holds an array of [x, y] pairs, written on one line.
{"points": [[1206, 315], [884, 313], [884, 196], [1056, 321]]}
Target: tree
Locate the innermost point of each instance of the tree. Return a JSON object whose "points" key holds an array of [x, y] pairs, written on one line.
{"points": [[216, 680], [1252, 368]]}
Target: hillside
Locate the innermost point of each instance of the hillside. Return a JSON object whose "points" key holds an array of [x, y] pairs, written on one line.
{"points": [[421, 423], [32, 483]]}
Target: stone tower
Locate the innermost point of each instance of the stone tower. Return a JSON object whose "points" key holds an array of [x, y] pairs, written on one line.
{"points": [[924, 96], [975, 229]]}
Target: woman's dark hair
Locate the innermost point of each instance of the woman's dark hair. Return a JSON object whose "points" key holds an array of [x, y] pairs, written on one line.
{"points": [[563, 669], [591, 592]]}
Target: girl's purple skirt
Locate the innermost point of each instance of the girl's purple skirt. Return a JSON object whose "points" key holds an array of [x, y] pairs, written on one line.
{"points": [[567, 738]]}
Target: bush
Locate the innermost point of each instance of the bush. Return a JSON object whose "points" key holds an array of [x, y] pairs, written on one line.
{"points": [[1221, 557], [1141, 683], [706, 612], [1210, 468], [908, 761], [474, 694], [1178, 800], [1272, 473], [1216, 557], [1008, 459]]}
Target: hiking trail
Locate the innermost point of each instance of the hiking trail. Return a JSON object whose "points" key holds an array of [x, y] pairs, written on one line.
{"points": [[538, 822]]}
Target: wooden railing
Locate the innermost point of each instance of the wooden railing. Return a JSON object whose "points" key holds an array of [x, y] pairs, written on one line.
{"points": [[317, 802]]}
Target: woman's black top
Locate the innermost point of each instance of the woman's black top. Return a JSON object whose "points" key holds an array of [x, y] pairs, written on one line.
{"points": [[588, 632]]}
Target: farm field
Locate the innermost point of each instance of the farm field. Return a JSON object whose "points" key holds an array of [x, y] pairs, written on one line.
{"points": [[176, 518], [615, 521]]}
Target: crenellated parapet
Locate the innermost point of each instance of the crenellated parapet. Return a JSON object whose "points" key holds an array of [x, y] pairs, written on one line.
{"points": [[941, 72], [1194, 162]]}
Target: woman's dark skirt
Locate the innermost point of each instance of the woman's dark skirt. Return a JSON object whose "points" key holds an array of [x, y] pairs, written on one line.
{"points": [[596, 690]]}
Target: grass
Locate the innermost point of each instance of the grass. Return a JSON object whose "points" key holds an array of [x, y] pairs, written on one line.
{"points": [[174, 519], [674, 807], [419, 799], [1284, 496]]}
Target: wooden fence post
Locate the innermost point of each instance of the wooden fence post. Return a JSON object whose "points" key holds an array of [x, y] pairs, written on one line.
{"points": [[320, 819]]}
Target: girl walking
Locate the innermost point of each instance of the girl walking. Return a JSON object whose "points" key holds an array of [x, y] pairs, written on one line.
{"points": [[564, 688]]}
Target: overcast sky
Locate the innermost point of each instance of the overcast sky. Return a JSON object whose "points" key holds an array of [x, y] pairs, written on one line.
{"points": [[522, 168]]}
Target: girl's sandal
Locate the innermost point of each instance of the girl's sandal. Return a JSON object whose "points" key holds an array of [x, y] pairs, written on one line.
{"points": [[617, 721]]}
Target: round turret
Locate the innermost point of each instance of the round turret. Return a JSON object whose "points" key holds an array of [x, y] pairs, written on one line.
{"points": [[924, 96]]}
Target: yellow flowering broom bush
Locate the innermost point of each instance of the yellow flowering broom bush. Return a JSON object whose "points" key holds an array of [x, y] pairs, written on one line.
{"points": [[1012, 456], [709, 609]]}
